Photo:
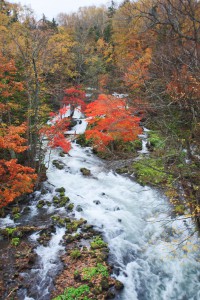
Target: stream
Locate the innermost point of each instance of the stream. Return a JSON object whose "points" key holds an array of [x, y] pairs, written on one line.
{"points": [[149, 246]]}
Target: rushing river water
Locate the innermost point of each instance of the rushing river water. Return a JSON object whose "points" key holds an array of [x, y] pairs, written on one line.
{"points": [[146, 243]]}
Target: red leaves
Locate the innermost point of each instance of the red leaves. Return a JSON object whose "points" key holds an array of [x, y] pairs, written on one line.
{"points": [[111, 119], [75, 97], [55, 132], [15, 180]]}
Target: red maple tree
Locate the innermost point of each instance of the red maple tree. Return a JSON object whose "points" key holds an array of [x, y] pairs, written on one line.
{"points": [[55, 131], [111, 119], [75, 97]]}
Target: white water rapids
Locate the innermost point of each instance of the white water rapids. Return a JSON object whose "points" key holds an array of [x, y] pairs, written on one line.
{"points": [[148, 247], [135, 220]]}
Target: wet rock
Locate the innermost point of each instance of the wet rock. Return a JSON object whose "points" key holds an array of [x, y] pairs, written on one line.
{"points": [[85, 171], [59, 165], [57, 220], [26, 209], [104, 283], [16, 216], [48, 203], [116, 208], [60, 190], [15, 210], [122, 170], [119, 285], [62, 154], [44, 191], [2, 213], [87, 228], [56, 199], [79, 208], [41, 203], [119, 220], [110, 295], [70, 207], [63, 201], [97, 202]]}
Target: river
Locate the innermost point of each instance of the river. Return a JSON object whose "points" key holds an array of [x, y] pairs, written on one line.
{"points": [[148, 245]]}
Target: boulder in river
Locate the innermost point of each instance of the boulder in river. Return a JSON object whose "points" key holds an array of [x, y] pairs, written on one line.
{"points": [[85, 172]]}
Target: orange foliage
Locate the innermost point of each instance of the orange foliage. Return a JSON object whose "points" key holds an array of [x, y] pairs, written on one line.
{"points": [[55, 132], [16, 180], [184, 88], [111, 119], [75, 97], [137, 72], [10, 138], [8, 85]]}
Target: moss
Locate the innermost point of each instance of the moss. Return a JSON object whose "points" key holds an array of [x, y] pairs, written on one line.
{"points": [[90, 272], [16, 216], [151, 171], [98, 243], [15, 241], [75, 254], [72, 293], [155, 140], [70, 207], [40, 203], [60, 190]]}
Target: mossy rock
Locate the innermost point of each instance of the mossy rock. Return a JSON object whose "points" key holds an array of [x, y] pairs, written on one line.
{"points": [[63, 201], [104, 284], [60, 190], [122, 170], [85, 172], [110, 295], [62, 154], [58, 220], [16, 216], [15, 210], [56, 199], [40, 203], [48, 203], [119, 285], [70, 207], [2, 213], [59, 165]]}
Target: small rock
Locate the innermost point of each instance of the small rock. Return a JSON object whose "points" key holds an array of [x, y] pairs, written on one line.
{"points": [[70, 207], [119, 285], [104, 284], [41, 203], [97, 202], [59, 165], [85, 171], [79, 208], [60, 190], [110, 295]]}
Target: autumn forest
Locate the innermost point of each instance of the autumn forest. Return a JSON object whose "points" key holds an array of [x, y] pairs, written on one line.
{"points": [[132, 71]]}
